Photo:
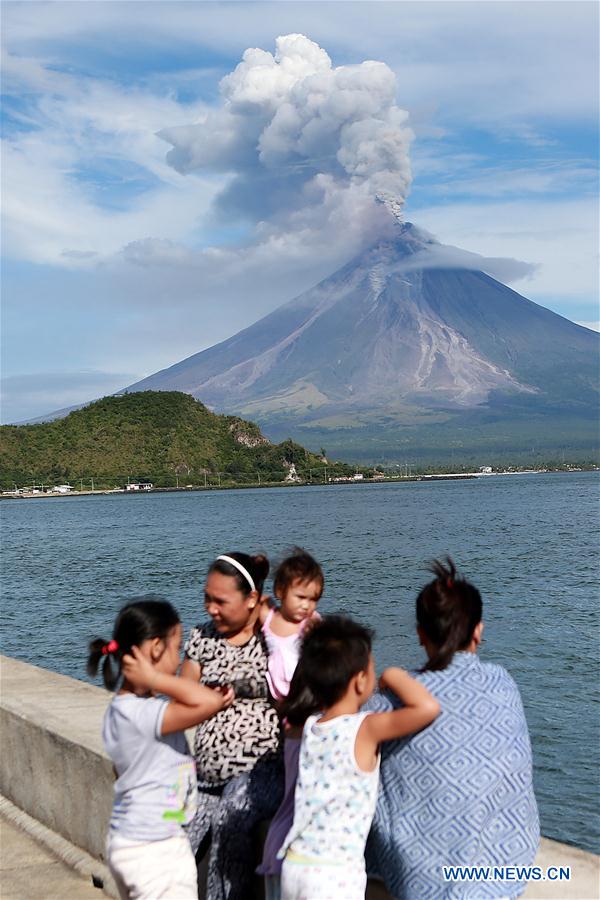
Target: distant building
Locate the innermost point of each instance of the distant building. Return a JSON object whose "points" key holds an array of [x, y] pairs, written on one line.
{"points": [[62, 489], [485, 470], [358, 477], [139, 486]]}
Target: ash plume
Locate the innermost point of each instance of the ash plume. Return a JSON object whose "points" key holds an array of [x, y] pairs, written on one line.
{"points": [[301, 142]]}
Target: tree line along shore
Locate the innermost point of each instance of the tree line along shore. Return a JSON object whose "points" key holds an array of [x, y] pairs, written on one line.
{"points": [[171, 441], [221, 483]]}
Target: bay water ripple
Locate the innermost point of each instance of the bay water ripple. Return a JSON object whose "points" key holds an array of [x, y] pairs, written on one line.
{"points": [[528, 542]]}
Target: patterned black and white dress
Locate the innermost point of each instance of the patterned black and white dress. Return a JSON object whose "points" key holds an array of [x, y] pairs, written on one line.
{"points": [[238, 759]]}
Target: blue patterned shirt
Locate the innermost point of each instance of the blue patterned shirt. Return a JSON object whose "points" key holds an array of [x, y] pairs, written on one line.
{"points": [[460, 792]]}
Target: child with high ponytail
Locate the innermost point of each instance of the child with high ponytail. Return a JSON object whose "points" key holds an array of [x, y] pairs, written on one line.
{"points": [[148, 852], [449, 611], [463, 790]]}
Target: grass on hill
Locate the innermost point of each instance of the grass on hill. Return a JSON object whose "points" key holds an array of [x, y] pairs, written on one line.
{"points": [[166, 437]]}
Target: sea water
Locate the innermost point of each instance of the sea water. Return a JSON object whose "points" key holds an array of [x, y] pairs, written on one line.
{"points": [[529, 543]]}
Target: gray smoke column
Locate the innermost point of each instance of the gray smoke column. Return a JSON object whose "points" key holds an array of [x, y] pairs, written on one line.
{"points": [[293, 132]]}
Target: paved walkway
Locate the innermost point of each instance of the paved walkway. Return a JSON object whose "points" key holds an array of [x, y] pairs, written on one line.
{"points": [[28, 871]]}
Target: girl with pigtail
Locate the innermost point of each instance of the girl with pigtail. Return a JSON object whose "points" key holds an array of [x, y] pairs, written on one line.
{"points": [[462, 790], [148, 853]]}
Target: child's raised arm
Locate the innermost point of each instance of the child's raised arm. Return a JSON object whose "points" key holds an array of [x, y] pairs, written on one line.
{"points": [[419, 709], [191, 703]]}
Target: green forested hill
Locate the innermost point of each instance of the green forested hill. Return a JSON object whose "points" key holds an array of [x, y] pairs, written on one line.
{"points": [[161, 436]]}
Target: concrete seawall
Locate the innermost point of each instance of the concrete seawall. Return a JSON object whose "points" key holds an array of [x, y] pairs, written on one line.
{"points": [[53, 767]]}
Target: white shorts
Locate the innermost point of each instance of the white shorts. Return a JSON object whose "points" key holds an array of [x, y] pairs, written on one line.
{"points": [[154, 870], [314, 881]]}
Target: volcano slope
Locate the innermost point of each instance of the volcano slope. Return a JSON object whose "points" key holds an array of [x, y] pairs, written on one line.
{"points": [[399, 356]]}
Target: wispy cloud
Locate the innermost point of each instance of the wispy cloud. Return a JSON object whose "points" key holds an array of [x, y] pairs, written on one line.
{"points": [[54, 179], [559, 237]]}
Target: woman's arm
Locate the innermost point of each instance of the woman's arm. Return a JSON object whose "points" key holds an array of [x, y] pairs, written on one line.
{"points": [[191, 703], [265, 605], [190, 669], [419, 709]]}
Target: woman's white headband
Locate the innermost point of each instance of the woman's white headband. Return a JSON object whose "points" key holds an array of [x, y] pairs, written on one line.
{"points": [[233, 562]]}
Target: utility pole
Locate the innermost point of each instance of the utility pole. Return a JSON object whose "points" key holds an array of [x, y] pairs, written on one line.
{"points": [[92, 485], [258, 473], [205, 478], [219, 477], [325, 476]]}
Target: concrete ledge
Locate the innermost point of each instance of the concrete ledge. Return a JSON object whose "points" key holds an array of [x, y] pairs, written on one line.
{"points": [[585, 873], [53, 765], [54, 768]]}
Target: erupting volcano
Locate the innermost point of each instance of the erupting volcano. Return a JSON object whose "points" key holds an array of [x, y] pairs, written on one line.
{"points": [[396, 348]]}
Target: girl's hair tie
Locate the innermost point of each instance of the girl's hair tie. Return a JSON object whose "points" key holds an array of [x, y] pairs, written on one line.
{"points": [[111, 647], [449, 583]]}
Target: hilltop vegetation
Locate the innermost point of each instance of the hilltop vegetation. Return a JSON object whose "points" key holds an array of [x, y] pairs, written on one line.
{"points": [[161, 436]]}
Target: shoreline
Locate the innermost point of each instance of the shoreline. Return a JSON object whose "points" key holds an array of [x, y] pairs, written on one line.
{"points": [[392, 479]]}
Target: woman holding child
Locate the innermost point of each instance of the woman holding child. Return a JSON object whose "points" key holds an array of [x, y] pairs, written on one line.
{"points": [[460, 792], [238, 751]]}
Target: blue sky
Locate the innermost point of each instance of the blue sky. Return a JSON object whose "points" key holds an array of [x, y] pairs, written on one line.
{"points": [[119, 260]]}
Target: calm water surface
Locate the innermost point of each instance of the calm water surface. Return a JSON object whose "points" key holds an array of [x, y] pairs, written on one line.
{"points": [[528, 542]]}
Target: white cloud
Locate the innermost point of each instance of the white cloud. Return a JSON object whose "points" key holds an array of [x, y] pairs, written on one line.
{"points": [[559, 237], [53, 190], [476, 177], [444, 256], [50, 218], [498, 63]]}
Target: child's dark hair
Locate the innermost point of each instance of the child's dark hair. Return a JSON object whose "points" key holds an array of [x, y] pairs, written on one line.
{"points": [[334, 651], [448, 610], [256, 566], [298, 566], [139, 621], [300, 702]]}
